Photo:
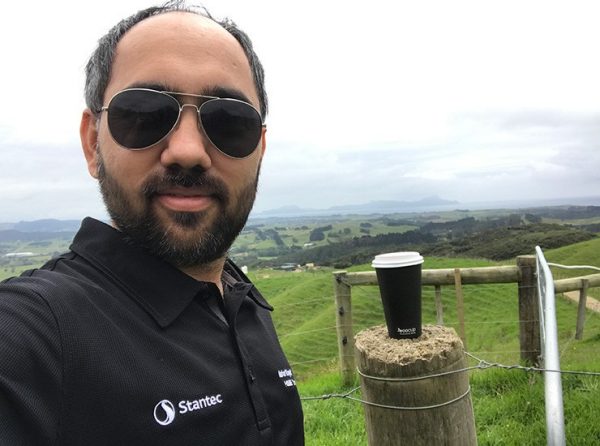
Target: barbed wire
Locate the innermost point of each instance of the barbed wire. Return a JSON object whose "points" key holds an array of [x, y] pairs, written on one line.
{"points": [[495, 352], [330, 395], [386, 406], [515, 321], [304, 302], [292, 364], [481, 365], [486, 365], [296, 333]]}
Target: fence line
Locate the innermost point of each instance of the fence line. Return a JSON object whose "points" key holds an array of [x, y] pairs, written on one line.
{"points": [[564, 347], [569, 341], [523, 274], [482, 365], [310, 361], [304, 302], [296, 333]]}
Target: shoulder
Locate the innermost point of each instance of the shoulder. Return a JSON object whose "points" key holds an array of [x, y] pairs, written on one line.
{"points": [[24, 304], [38, 298], [31, 349]]}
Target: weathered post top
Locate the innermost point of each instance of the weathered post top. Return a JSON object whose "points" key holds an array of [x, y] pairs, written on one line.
{"points": [[437, 347], [416, 391]]}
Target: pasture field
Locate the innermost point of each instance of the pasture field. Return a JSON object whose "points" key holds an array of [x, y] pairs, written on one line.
{"points": [[40, 251], [584, 253], [508, 404]]}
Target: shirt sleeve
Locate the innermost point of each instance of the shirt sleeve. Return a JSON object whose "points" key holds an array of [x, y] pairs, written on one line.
{"points": [[30, 367]]}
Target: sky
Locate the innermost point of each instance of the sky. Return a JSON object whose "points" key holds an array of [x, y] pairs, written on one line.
{"points": [[473, 101]]}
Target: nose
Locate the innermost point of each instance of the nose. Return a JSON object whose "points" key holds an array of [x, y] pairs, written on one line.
{"points": [[187, 145]]}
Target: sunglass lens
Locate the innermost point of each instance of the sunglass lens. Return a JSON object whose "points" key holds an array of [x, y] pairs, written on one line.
{"points": [[233, 126], [140, 118]]}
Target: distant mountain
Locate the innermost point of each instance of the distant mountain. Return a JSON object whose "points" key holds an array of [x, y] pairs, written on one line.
{"points": [[12, 235], [38, 230], [372, 207], [286, 211], [427, 204], [393, 206], [47, 225]]}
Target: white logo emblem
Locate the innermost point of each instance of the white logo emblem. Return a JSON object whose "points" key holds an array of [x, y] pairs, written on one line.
{"points": [[164, 412]]}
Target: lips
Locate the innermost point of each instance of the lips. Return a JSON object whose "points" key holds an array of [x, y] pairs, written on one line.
{"points": [[185, 190], [185, 199]]}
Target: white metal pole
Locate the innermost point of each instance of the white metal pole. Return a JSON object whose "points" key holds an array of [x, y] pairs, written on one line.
{"points": [[555, 424]]}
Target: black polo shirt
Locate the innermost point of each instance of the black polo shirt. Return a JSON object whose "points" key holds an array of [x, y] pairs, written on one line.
{"points": [[107, 345]]}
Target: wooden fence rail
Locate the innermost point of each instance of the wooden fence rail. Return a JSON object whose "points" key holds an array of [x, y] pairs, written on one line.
{"points": [[523, 274]]}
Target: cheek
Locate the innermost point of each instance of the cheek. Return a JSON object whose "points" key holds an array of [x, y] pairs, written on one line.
{"points": [[239, 177], [129, 169], [126, 165]]}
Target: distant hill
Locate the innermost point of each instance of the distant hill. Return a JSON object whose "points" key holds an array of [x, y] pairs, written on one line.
{"points": [[583, 253], [427, 204], [12, 235], [372, 207], [38, 230], [44, 225]]}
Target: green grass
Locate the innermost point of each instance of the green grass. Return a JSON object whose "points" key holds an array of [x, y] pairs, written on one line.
{"points": [[584, 253], [343, 229], [508, 404], [42, 250], [332, 421]]}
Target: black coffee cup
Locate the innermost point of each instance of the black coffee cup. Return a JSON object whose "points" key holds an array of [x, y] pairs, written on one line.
{"points": [[399, 277]]}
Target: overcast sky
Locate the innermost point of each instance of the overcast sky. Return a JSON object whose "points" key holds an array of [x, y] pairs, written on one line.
{"points": [[474, 101]]}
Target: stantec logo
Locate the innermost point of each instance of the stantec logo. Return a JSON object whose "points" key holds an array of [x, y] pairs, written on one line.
{"points": [[164, 411]]}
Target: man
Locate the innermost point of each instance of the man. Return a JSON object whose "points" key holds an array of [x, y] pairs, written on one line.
{"points": [[144, 333]]}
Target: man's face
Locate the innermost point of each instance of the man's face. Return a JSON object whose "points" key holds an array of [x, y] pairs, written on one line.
{"points": [[182, 199]]}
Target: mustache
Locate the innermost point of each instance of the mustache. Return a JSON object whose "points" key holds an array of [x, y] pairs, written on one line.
{"points": [[187, 178]]}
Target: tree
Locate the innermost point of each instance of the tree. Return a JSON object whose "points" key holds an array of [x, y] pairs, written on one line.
{"points": [[316, 235]]}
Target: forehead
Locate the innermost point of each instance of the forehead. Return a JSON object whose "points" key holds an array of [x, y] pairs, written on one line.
{"points": [[184, 51]]}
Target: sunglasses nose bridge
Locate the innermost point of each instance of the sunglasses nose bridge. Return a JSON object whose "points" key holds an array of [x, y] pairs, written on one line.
{"points": [[186, 143], [181, 110], [182, 106]]}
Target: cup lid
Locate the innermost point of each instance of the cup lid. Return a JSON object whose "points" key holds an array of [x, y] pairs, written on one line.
{"points": [[397, 259]]}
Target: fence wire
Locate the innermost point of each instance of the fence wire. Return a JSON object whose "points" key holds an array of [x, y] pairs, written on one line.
{"points": [[481, 365]]}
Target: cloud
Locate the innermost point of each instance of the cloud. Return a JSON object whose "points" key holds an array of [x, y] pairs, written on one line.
{"points": [[488, 156], [381, 102]]}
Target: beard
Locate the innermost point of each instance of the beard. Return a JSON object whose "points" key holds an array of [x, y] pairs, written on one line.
{"points": [[183, 239]]}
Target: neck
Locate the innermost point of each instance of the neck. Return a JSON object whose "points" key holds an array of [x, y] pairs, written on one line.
{"points": [[208, 272]]}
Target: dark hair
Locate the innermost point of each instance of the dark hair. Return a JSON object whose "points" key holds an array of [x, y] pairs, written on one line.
{"points": [[99, 66]]}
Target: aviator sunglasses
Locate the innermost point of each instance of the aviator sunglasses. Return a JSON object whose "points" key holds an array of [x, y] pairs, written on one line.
{"points": [[139, 118]]}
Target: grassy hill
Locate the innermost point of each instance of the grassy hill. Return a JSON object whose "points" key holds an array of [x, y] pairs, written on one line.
{"points": [[584, 253], [305, 311], [351, 240], [508, 403]]}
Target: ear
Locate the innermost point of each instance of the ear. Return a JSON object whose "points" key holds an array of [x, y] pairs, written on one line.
{"points": [[88, 132], [263, 141]]}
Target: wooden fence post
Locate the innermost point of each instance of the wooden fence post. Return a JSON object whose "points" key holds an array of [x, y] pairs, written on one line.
{"points": [[581, 309], [460, 307], [529, 320], [439, 308], [344, 327], [415, 391]]}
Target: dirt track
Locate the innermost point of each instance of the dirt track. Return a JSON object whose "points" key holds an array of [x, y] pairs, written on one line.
{"points": [[590, 303]]}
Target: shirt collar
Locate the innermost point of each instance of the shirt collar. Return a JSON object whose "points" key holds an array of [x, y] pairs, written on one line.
{"points": [[157, 286]]}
